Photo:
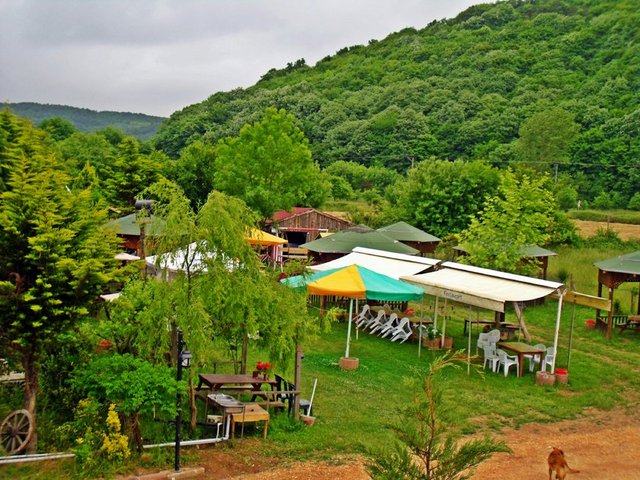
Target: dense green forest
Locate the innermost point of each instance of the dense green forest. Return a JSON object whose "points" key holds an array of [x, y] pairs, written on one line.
{"points": [[135, 124], [549, 83]]}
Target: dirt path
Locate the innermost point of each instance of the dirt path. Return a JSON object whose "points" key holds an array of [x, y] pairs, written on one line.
{"points": [[597, 439]]}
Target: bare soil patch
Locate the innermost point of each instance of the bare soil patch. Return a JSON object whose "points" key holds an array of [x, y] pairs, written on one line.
{"points": [[602, 445], [625, 231]]}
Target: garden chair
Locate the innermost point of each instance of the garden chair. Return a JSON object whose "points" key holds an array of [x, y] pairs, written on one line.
{"points": [[507, 361], [548, 359], [486, 339], [363, 316], [386, 325], [403, 331], [533, 359], [490, 357], [374, 321]]}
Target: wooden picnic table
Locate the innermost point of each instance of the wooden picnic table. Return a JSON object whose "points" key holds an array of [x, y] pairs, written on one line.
{"points": [[632, 323], [522, 349], [503, 325], [217, 381]]}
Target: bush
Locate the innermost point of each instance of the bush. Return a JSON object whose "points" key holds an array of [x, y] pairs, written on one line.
{"points": [[634, 203]]}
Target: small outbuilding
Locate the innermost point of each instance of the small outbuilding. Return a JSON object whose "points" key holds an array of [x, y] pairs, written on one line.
{"points": [[341, 243], [412, 236], [305, 224]]}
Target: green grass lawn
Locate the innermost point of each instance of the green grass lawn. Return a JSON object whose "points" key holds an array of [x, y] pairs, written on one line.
{"points": [[354, 409]]}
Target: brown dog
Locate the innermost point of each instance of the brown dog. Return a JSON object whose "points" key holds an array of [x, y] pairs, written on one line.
{"points": [[558, 464]]}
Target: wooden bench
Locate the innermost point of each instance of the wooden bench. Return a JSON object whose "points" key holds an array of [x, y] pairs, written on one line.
{"points": [[632, 323], [252, 413], [274, 398]]}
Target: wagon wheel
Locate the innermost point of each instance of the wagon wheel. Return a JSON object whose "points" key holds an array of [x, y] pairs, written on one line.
{"points": [[16, 431]]}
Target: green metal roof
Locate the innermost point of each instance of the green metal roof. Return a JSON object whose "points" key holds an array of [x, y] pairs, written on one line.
{"points": [[344, 242], [526, 251], [407, 233], [130, 225], [629, 263]]}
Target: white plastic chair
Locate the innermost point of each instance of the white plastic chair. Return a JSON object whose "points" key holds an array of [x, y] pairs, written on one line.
{"points": [[363, 316], [375, 321], [533, 359], [490, 357], [494, 336], [402, 331], [386, 325], [483, 341], [507, 361], [548, 359]]}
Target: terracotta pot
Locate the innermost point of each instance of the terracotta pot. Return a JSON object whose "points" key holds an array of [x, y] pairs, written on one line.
{"points": [[562, 378], [349, 363], [431, 344], [448, 342], [545, 378]]}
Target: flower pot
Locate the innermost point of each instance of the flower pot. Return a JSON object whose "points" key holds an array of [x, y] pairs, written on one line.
{"points": [[562, 376], [265, 376], [349, 363], [431, 343], [448, 342], [590, 324], [307, 419], [545, 378]]}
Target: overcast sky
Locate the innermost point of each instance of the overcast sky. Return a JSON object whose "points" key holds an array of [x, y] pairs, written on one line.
{"points": [[158, 56]]}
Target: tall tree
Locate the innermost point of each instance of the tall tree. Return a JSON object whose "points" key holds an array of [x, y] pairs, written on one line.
{"points": [[440, 196], [57, 255], [545, 138], [520, 214], [268, 165]]}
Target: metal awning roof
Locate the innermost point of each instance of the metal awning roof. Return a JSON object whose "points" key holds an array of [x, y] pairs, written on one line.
{"points": [[391, 264], [481, 287]]}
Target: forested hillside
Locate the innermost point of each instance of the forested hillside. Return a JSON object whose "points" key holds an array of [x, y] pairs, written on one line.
{"points": [[549, 82], [135, 124]]}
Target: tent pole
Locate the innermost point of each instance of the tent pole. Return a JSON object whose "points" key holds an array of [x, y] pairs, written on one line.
{"points": [[573, 321], [435, 315], [356, 313], [469, 345], [346, 353], [444, 322], [555, 338]]}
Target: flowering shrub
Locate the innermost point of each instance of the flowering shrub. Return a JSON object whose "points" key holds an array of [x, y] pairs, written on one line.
{"points": [[114, 445], [263, 367]]}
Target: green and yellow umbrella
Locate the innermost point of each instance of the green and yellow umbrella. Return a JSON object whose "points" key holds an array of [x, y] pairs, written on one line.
{"points": [[355, 282]]}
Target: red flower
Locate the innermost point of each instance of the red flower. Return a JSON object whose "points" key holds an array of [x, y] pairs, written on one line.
{"points": [[263, 366], [105, 343]]}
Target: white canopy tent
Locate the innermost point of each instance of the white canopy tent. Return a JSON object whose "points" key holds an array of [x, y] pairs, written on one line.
{"points": [[393, 265], [488, 289]]}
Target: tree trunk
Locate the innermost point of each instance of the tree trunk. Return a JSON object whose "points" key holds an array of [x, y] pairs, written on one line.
{"points": [[192, 403], [30, 368]]}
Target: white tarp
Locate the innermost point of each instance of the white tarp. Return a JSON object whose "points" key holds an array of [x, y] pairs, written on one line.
{"points": [[393, 265], [483, 288]]}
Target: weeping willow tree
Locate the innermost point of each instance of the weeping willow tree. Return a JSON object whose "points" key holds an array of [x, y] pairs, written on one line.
{"points": [[215, 290]]}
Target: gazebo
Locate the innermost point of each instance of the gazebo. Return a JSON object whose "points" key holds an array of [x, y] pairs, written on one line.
{"points": [[612, 273], [412, 236]]}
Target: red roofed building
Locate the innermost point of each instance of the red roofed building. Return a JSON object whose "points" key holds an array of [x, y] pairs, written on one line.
{"points": [[304, 224]]}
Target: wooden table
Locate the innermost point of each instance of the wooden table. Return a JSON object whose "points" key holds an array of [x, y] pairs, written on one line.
{"points": [[503, 325], [252, 413], [522, 349], [227, 405], [217, 381]]}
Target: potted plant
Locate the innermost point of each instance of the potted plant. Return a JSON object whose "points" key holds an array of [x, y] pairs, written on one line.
{"points": [[264, 368], [432, 339]]}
